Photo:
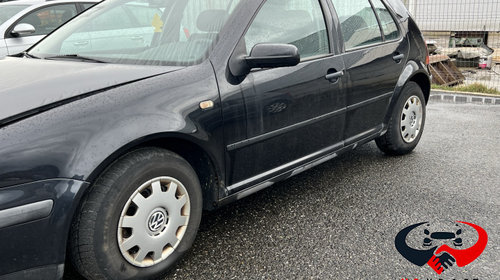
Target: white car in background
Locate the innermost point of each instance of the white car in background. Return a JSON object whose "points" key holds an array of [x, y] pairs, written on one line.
{"points": [[23, 23]]}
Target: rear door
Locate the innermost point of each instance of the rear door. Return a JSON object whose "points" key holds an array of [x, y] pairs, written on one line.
{"points": [[375, 54], [45, 20], [292, 112]]}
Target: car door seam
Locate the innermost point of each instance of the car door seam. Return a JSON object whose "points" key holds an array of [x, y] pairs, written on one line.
{"points": [[368, 101], [275, 133]]}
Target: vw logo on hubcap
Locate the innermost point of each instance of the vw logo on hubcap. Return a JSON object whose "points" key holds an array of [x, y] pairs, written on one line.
{"points": [[413, 119], [156, 221]]}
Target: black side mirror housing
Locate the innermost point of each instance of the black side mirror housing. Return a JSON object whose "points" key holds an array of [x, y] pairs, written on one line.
{"points": [[273, 56], [265, 56]]}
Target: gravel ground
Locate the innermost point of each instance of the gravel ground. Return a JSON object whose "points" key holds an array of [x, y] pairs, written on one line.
{"points": [[339, 220]]}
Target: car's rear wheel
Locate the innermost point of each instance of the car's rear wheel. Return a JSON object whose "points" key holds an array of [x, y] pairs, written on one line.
{"points": [[406, 124], [138, 218]]}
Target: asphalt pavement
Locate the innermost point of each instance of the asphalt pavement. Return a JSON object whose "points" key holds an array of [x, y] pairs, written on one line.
{"points": [[339, 220]]}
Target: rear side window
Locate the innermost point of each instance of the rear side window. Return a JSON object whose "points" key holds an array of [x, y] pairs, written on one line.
{"points": [[358, 23], [297, 22], [389, 26]]}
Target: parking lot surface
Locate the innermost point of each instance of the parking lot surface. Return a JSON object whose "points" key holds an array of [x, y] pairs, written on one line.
{"points": [[339, 220]]}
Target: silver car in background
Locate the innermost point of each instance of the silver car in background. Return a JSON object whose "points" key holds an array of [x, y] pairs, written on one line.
{"points": [[23, 23]]}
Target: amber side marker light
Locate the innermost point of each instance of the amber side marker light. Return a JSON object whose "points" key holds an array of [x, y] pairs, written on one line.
{"points": [[205, 105]]}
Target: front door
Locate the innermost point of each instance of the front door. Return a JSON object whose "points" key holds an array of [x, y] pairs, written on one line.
{"points": [[292, 112]]}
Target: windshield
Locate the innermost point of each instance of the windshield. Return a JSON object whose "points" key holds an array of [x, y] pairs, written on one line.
{"points": [[144, 32], [6, 12]]}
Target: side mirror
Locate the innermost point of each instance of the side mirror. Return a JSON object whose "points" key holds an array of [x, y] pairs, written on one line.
{"points": [[264, 56], [273, 56], [23, 29]]}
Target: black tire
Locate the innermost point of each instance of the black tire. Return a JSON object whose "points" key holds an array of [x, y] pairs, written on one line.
{"points": [[94, 246], [393, 141]]}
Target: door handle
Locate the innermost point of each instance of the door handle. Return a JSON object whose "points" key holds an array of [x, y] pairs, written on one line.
{"points": [[398, 57], [334, 77], [137, 38]]}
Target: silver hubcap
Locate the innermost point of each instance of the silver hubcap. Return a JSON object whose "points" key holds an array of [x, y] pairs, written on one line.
{"points": [[411, 119], [153, 221]]}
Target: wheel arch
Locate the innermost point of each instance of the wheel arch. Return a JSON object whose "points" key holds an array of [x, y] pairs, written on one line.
{"points": [[413, 72], [205, 166], [423, 81]]}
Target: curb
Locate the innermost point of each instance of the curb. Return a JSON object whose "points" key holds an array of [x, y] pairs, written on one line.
{"points": [[441, 91], [462, 98]]}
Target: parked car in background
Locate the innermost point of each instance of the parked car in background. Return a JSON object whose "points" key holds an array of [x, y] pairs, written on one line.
{"points": [[23, 23], [120, 127]]}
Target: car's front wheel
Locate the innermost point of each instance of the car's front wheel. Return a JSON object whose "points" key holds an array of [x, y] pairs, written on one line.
{"points": [[138, 218], [406, 124]]}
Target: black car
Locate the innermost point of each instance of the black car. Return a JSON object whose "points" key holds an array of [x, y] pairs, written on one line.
{"points": [[123, 125]]}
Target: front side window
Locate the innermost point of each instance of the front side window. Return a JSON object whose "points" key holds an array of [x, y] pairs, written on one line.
{"points": [[300, 23], [144, 32], [48, 19], [358, 23]]}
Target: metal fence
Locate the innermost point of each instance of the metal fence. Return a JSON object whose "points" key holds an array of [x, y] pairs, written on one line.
{"points": [[464, 38]]}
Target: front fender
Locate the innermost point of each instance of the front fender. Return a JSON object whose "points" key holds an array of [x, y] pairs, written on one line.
{"points": [[73, 140]]}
